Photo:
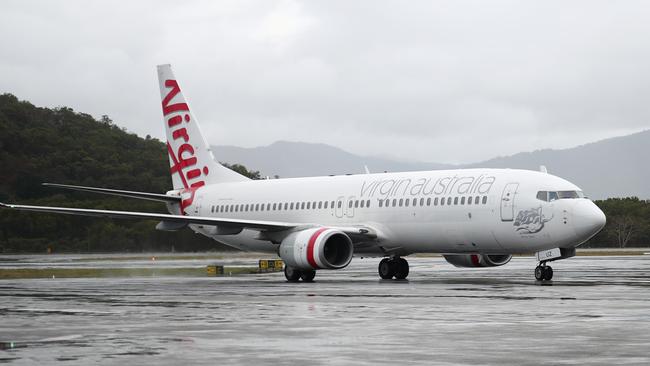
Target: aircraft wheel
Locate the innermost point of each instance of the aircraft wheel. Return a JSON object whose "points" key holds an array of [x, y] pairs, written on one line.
{"points": [[308, 275], [292, 274], [548, 273], [401, 268], [386, 269], [539, 273]]}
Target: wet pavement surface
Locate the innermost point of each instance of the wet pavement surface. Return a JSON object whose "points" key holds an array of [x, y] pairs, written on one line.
{"points": [[595, 311]]}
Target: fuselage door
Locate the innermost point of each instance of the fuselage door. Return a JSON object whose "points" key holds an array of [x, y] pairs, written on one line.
{"points": [[508, 201], [338, 211]]}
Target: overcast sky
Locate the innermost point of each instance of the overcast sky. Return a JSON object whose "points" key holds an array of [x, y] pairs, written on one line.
{"points": [[441, 81]]}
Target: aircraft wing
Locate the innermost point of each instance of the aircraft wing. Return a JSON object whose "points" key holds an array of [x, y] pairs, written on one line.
{"points": [[117, 192], [355, 231], [252, 224]]}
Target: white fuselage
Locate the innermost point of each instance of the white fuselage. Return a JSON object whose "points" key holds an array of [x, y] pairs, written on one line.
{"points": [[505, 215]]}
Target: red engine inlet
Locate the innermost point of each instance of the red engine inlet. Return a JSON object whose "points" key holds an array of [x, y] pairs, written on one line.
{"points": [[319, 248], [478, 260]]}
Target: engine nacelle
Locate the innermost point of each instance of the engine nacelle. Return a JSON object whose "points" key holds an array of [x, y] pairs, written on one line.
{"points": [[318, 248], [478, 260]]}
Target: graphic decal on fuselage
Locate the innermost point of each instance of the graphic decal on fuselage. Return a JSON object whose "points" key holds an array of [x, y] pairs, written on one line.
{"points": [[531, 221], [450, 185]]}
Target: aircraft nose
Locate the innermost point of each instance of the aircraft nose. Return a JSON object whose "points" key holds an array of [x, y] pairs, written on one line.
{"points": [[588, 219]]}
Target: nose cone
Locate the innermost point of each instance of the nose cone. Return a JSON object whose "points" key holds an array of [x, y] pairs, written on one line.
{"points": [[588, 219]]}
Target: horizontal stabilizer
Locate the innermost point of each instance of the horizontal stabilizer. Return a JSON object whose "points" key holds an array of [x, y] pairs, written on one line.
{"points": [[131, 194]]}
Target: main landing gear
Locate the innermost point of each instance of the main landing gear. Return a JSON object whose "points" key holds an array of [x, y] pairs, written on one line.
{"points": [[393, 267], [543, 272], [295, 275]]}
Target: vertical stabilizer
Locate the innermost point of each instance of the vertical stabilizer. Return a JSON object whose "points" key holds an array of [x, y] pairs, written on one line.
{"points": [[190, 158]]}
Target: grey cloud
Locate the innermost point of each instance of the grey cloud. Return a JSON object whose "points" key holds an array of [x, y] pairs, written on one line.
{"points": [[448, 81]]}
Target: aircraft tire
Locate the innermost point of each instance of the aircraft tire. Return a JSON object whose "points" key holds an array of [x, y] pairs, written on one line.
{"points": [[386, 269], [401, 268], [548, 273], [539, 273], [291, 274], [308, 275]]}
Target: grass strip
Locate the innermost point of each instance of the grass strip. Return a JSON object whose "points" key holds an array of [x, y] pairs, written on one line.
{"points": [[22, 273]]}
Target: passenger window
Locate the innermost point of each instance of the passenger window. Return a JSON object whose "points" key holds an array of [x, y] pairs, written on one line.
{"points": [[394, 202], [367, 203], [455, 200], [462, 200], [350, 203], [286, 205], [356, 203], [340, 204], [406, 202], [484, 199], [381, 203], [429, 201], [448, 201], [415, 202], [421, 201], [469, 200], [363, 203], [291, 206], [313, 205], [268, 207], [401, 201], [275, 207], [308, 205], [320, 204], [435, 201], [442, 201], [332, 206], [476, 200]]}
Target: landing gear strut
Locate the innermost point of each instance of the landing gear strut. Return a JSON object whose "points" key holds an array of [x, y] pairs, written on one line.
{"points": [[543, 272], [393, 267], [295, 275]]}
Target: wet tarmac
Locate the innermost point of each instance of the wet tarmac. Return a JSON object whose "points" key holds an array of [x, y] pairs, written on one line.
{"points": [[595, 311]]}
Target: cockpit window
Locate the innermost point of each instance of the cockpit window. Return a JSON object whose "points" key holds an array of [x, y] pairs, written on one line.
{"points": [[550, 196]]}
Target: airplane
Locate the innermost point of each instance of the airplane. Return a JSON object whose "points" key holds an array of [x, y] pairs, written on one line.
{"points": [[473, 217]]}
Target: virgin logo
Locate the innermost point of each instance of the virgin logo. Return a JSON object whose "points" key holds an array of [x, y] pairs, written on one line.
{"points": [[183, 159]]}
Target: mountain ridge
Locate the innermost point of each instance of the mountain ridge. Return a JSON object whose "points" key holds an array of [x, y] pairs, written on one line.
{"points": [[604, 168]]}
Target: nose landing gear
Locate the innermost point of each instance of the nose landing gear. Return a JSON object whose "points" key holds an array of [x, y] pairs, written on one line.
{"points": [[393, 267], [543, 272]]}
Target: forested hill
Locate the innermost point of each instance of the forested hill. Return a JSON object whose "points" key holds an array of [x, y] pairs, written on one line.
{"points": [[63, 146]]}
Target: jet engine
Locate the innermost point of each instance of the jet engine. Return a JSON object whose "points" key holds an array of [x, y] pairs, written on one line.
{"points": [[478, 260], [318, 248]]}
